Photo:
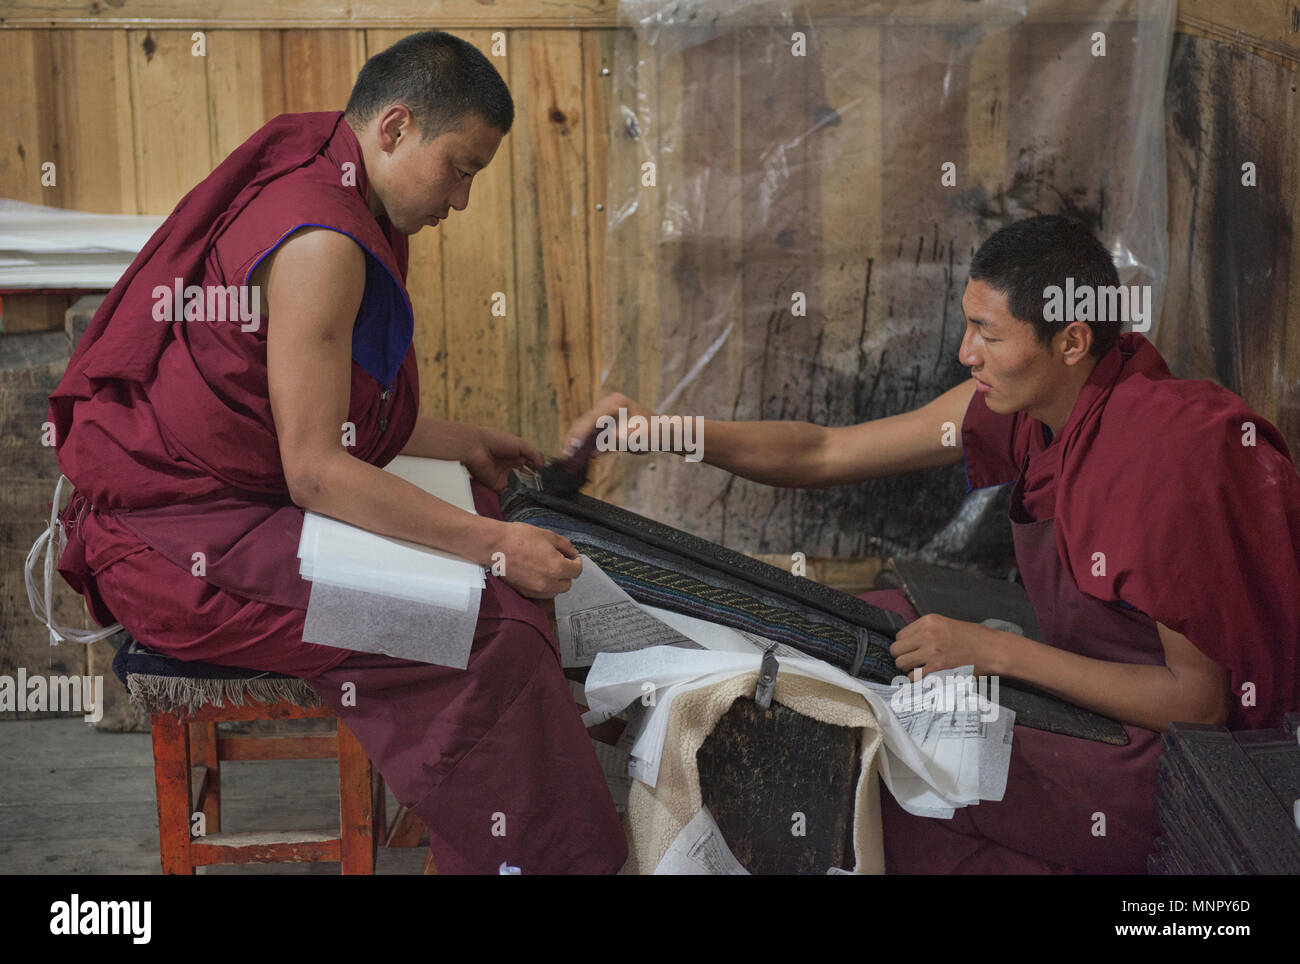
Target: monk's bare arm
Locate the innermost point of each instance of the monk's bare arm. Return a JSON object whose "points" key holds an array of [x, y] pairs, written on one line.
{"points": [[315, 284], [908, 442], [1189, 688], [435, 438], [803, 455]]}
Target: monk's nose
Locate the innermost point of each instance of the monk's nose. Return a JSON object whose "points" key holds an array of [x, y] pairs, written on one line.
{"points": [[966, 351]]}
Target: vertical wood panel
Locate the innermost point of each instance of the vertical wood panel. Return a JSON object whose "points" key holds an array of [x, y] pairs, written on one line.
{"points": [[986, 108], [1287, 371], [169, 88], [780, 221], [1231, 312], [550, 232], [29, 93], [245, 83], [629, 361], [598, 68], [702, 320], [94, 121], [598, 49], [848, 146], [320, 67], [482, 365]]}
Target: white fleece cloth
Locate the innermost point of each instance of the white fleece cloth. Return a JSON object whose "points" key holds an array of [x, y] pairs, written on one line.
{"points": [[656, 815]]}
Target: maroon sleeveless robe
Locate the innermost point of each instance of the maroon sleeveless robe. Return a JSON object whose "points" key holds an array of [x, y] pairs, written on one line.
{"points": [[1058, 787], [165, 429]]}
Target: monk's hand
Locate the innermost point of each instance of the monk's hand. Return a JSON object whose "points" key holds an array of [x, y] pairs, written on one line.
{"points": [[591, 421], [538, 563], [934, 643], [491, 455]]}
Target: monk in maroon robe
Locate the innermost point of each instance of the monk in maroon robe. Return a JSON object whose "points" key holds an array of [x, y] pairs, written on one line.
{"points": [[1157, 530], [257, 360]]}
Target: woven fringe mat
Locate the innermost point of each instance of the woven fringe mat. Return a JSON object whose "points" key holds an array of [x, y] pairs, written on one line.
{"points": [[176, 693]]}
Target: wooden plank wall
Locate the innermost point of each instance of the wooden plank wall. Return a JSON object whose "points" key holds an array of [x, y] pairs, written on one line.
{"points": [[133, 119]]}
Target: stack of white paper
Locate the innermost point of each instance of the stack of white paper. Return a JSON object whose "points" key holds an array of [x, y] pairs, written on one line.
{"points": [[338, 554], [45, 247], [375, 593]]}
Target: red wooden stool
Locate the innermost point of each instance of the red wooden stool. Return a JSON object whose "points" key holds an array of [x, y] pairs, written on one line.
{"points": [[188, 752]]}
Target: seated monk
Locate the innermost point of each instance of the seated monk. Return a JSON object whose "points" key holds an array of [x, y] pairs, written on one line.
{"points": [[1165, 577], [196, 442]]}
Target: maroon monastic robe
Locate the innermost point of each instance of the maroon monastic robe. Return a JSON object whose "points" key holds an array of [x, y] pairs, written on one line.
{"points": [[1198, 532], [181, 526], [1172, 498], [165, 428]]}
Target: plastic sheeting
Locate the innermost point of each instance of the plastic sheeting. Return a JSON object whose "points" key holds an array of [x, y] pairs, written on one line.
{"points": [[783, 244]]}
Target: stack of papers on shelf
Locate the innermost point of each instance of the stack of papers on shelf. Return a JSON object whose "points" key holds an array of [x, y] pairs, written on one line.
{"points": [[46, 247], [379, 594]]}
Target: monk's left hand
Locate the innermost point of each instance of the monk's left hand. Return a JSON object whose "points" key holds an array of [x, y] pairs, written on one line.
{"points": [[935, 642], [493, 454]]}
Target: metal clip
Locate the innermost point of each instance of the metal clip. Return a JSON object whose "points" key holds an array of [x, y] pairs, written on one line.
{"points": [[767, 678]]}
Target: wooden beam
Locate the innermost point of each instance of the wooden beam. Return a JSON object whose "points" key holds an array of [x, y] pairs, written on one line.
{"points": [[357, 825], [247, 14], [276, 747], [254, 710], [171, 770], [1271, 28], [1268, 28], [262, 847]]}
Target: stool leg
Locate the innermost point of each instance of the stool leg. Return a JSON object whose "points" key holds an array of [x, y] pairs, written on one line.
{"points": [[356, 805], [203, 753], [407, 829], [379, 825], [171, 770]]}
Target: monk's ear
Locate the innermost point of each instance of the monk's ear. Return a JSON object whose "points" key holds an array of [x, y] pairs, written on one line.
{"points": [[393, 124], [1077, 342]]}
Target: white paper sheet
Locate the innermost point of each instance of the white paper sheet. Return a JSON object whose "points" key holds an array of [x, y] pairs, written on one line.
{"points": [[45, 247], [596, 616], [371, 623], [613, 761], [342, 555], [377, 594], [699, 850]]}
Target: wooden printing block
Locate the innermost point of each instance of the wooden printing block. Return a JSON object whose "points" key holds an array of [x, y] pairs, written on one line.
{"points": [[766, 774]]}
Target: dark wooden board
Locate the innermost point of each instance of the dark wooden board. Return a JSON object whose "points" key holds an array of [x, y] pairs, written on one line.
{"points": [[759, 769]]}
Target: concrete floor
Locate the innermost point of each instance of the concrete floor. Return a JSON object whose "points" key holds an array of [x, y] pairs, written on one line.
{"points": [[76, 800]]}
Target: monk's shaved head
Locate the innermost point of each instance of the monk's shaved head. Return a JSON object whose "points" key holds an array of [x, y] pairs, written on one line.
{"points": [[1024, 258], [440, 78]]}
